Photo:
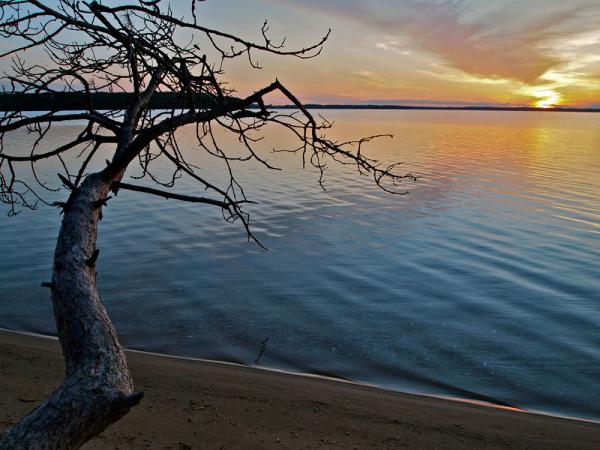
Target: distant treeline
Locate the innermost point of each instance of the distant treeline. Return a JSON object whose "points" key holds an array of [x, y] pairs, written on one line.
{"points": [[66, 101], [440, 108], [71, 101]]}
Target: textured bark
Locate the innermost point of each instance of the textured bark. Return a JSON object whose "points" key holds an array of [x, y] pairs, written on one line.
{"points": [[98, 388]]}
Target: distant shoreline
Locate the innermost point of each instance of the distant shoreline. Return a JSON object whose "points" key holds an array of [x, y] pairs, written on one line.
{"points": [[439, 108], [76, 101]]}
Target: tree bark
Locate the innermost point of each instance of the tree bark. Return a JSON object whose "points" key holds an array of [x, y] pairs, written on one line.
{"points": [[98, 388]]}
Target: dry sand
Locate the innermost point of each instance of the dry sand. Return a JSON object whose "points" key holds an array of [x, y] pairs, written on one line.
{"points": [[203, 405]]}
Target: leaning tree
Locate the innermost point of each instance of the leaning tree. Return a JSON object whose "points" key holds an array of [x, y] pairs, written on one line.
{"points": [[153, 58]]}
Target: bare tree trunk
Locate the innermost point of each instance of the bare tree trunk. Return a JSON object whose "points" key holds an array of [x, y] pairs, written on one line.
{"points": [[98, 388]]}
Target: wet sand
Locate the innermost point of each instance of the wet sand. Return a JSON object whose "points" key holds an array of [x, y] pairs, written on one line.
{"points": [[192, 404]]}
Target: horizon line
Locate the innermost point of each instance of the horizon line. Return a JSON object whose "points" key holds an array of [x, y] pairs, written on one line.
{"points": [[436, 108]]}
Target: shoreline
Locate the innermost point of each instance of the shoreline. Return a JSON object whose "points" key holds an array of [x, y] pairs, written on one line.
{"points": [[334, 379], [193, 403]]}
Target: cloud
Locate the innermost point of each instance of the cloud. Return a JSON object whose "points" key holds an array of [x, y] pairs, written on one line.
{"points": [[369, 76], [504, 39], [392, 45]]}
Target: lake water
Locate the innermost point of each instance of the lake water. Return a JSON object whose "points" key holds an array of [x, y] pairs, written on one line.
{"points": [[482, 283]]}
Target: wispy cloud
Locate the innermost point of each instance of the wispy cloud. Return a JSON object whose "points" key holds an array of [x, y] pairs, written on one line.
{"points": [[369, 76], [501, 39], [392, 45]]}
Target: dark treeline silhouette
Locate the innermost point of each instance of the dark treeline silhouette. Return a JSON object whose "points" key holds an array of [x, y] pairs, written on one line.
{"points": [[76, 101], [438, 108]]}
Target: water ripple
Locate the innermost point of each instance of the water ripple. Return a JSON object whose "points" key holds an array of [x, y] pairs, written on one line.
{"points": [[482, 283]]}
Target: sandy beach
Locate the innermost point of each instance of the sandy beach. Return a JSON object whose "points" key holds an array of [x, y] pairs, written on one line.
{"points": [[203, 405]]}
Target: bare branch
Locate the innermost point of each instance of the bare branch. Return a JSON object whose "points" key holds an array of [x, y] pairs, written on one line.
{"points": [[171, 195], [94, 52], [52, 117]]}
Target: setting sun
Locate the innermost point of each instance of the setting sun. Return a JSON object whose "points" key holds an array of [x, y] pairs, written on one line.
{"points": [[547, 99]]}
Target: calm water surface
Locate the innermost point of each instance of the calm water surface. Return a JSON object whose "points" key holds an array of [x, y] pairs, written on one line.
{"points": [[483, 283]]}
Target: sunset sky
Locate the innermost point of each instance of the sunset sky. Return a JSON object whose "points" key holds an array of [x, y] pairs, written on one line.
{"points": [[517, 52], [418, 52]]}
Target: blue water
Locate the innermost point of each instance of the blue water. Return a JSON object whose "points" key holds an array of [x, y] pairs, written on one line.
{"points": [[482, 283]]}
